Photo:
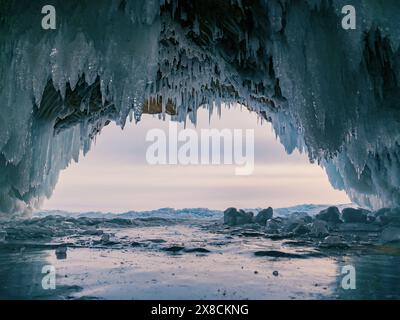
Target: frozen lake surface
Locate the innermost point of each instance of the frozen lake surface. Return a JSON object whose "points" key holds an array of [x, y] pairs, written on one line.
{"points": [[160, 258]]}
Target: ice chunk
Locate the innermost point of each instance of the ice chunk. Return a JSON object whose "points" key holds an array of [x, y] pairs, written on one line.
{"points": [[390, 234], [319, 229], [351, 215], [61, 253], [264, 215], [331, 214], [233, 217]]}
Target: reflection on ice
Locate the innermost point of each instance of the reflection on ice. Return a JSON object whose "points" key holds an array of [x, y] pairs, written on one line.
{"points": [[21, 274], [377, 275]]}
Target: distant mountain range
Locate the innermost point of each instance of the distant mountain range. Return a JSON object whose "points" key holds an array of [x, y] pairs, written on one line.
{"points": [[311, 209]]}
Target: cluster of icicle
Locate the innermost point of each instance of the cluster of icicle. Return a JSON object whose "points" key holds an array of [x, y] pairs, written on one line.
{"points": [[322, 87]]}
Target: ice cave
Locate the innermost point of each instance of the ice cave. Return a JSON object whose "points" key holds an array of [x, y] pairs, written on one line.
{"points": [[330, 92]]}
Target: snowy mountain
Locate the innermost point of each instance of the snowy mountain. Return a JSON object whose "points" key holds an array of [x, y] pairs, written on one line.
{"points": [[159, 213]]}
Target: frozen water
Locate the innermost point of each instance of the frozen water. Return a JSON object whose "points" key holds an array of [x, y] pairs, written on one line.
{"points": [[328, 92], [169, 258]]}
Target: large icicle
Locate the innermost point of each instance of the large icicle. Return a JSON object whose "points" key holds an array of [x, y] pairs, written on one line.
{"points": [[329, 92]]}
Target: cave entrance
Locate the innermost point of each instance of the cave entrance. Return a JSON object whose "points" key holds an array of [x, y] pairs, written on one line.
{"points": [[115, 176]]}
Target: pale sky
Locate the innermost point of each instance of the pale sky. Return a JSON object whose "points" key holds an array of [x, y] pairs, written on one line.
{"points": [[115, 176]]}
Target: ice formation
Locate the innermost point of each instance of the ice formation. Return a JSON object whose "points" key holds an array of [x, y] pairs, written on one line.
{"points": [[330, 92]]}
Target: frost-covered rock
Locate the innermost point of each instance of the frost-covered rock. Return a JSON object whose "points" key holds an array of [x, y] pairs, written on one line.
{"points": [[233, 217], [297, 217], [264, 215], [297, 220], [319, 229], [302, 229], [273, 226], [61, 252], [244, 217], [230, 216], [351, 215], [331, 215]]}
